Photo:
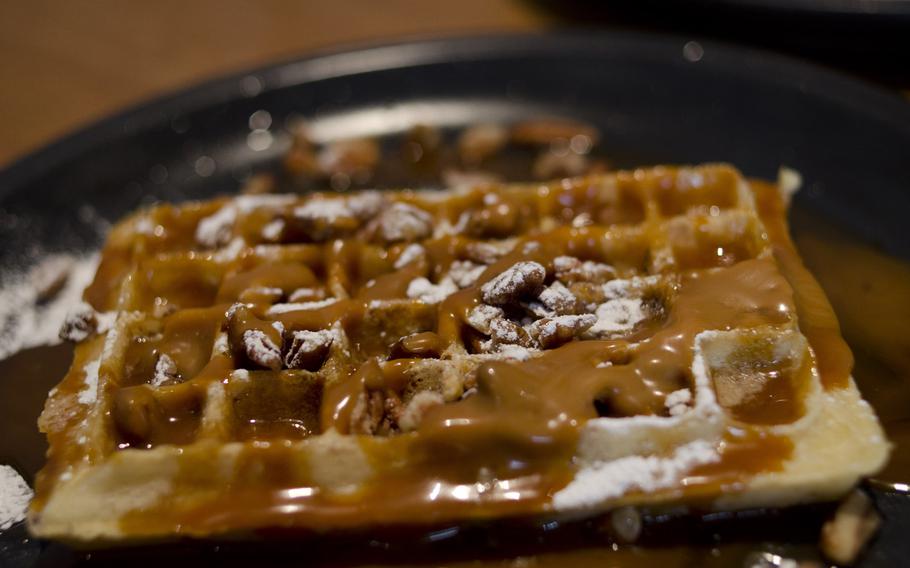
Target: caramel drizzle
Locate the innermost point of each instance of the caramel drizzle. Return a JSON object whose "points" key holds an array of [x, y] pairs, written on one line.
{"points": [[523, 423]]}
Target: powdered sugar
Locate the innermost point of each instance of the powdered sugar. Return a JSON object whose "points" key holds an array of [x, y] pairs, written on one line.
{"points": [[594, 485], [429, 293], [301, 306], [410, 253], [15, 495], [521, 278], [618, 316], [89, 393], [217, 229], [24, 321]]}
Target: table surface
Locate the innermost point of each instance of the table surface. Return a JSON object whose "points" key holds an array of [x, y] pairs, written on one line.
{"points": [[64, 64]]}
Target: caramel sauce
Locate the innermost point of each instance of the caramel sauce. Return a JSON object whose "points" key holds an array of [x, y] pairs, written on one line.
{"points": [[500, 439]]}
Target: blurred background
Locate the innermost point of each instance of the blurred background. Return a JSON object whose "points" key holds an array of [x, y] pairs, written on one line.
{"points": [[66, 64]]}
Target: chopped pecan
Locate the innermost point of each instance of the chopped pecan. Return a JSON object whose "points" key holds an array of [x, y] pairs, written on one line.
{"points": [[308, 349], [165, 371], [355, 158], [481, 141], [488, 252], [569, 269], [854, 523], [497, 220], [553, 332], [522, 279], [506, 332], [80, 323], [253, 340], [549, 165], [559, 299], [544, 132], [404, 222], [482, 316], [422, 143], [465, 273]]}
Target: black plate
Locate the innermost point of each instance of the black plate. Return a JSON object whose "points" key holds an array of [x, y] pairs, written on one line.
{"points": [[654, 98]]}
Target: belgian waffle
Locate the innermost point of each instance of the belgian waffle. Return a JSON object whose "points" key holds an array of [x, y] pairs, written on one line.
{"points": [[326, 361]]}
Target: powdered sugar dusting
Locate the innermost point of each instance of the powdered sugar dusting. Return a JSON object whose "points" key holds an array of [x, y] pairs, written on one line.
{"points": [[24, 321], [594, 485], [89, 394], [429, 293], [15, 495]]}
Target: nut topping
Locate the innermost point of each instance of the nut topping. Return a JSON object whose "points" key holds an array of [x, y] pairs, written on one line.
{"points": [[553, 332], [165, 371], [308, 350], [403, 222], [522, 279], [80, 323]]}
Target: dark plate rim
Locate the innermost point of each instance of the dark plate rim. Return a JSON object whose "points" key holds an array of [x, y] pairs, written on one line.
{"points": [[861, 96]]}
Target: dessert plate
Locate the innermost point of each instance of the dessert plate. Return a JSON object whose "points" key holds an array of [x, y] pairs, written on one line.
{"points": [[655, 99]]}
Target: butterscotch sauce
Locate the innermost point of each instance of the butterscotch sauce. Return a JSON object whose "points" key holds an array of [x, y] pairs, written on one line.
{"points": [[505, 449]]}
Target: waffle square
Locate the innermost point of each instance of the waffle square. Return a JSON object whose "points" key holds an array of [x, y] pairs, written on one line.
{"points": [[331, 361]]}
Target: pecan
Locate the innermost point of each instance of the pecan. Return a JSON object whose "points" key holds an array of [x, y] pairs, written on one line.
{"points": [[308, 350], [422, 144], [481, 141], [488, 252], [498, 220], [482, 316], [261, 349], [559, 299], [553, 332], [253, 340], [569, 269], [165, 371], [853, 525], [544, 132], [321, 219], [507, 332], [549, 165], [80, 323], [404, 222], [355, 158], [523, 278], [465, 273]]}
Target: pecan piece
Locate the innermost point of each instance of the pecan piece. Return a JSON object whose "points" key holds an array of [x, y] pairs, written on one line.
{"points": [[404, 222], [253, 340], [165, 371], [559, 299], [553, 332], [569, 269], [523, 278], [308, 350], [854, 523], [80, 323], [481, 141]]}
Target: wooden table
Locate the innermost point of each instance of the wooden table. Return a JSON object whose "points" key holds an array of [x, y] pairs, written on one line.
{"points": [[64, 64]]}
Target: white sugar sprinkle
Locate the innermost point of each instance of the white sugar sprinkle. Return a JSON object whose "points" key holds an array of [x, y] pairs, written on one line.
{"points": [[15, 495], [24, 321]]}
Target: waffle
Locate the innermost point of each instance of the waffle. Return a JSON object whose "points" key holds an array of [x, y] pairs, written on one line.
{"points": [[334, 361]]}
